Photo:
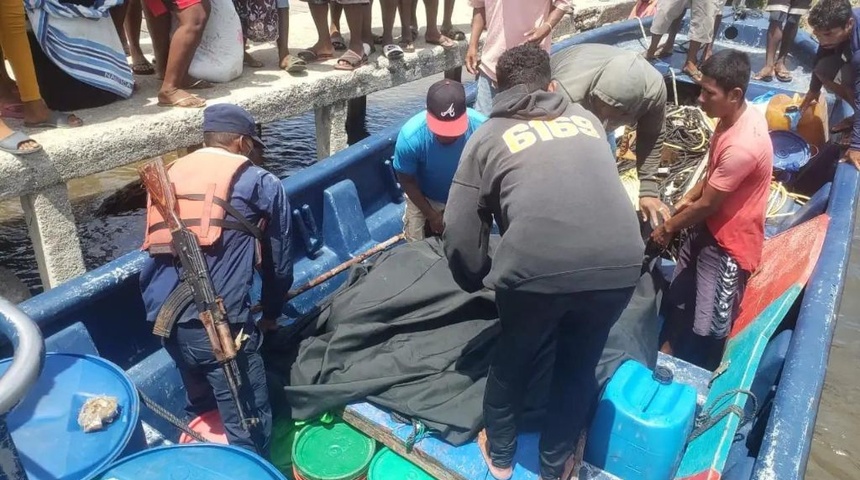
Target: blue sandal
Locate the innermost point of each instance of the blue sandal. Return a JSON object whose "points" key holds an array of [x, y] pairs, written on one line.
{"points": [[12, 144]]}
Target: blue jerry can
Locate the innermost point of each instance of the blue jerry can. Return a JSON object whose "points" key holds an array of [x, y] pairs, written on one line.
{"points": [[641, 424]]}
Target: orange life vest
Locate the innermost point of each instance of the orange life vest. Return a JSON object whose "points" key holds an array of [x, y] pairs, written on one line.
{"points": [[202, 182]]}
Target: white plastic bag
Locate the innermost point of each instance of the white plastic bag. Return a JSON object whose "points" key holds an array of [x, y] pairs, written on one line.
{"points": [[219, 57]]}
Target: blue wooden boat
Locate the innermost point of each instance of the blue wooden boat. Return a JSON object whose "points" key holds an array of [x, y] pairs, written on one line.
{"points": [[348, 203]]}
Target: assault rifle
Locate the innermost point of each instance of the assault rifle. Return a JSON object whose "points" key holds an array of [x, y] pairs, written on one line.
{"points": [[196, 278]]}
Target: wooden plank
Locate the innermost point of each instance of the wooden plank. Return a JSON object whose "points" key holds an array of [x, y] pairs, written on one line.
{"points": [[447, 462], [787, 263]]}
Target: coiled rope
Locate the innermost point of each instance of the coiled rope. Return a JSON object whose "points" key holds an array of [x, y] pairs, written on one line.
{"points": [[687, 137]]}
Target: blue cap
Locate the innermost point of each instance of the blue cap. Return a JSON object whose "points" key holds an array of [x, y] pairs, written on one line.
{"points": [[229, 118]]}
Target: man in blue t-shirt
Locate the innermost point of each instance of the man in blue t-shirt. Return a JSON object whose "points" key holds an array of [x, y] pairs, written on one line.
{"points": [[427, 154], [837, 64]]}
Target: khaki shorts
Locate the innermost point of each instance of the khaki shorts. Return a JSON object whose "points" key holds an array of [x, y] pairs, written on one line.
{"points": [[702, 16], [414, 220]]}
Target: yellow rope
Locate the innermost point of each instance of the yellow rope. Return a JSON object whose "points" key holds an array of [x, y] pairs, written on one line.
{"points": [[779, 196]]}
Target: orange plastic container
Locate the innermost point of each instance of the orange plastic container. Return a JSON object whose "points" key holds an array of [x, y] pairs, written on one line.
{"points": [[209, 426], [812, 126]]}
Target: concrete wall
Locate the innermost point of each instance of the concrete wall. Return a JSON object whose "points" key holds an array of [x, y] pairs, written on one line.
{"points": [[135, 129]]}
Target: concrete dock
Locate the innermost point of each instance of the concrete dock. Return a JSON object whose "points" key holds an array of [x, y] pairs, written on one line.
{"points": [[135, 129]]}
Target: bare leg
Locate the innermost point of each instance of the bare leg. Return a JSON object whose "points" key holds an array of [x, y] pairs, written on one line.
{"points": [[183, 45], [690, 66], [432, 34], [709, 48], [355, 22], [405, 23], [448, 12], [131, 26], [159, 32], [788, 34], [367, 27], [117, 14], [669, 46], [774, 35], [336, 10], [319, 13], [650, 54], [389, 12]]}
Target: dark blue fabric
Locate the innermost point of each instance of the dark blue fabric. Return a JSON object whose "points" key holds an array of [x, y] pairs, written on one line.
{"points": [[206, 385], [563, 335], [256, 194]]}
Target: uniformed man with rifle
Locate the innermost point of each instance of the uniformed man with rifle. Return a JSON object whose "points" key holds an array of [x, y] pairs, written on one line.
{"points": [[213, 219]]}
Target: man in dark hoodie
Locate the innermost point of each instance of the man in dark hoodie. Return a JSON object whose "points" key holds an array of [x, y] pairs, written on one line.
{"points": [[621, 88], [568, 259]]}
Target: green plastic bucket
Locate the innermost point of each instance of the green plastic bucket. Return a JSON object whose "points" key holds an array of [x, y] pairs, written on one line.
{"points": [[387, 465], [331, 451]]}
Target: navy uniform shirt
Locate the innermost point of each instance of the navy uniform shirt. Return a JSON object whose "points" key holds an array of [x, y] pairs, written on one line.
{"points": [[257, 194]]}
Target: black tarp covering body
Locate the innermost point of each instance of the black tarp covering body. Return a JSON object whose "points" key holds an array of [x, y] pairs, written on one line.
{"points": [[401, 334]]}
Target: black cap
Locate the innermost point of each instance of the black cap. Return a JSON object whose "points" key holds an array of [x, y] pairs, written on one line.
{"points": [[446, 109], [663, 375], [229, 118]]}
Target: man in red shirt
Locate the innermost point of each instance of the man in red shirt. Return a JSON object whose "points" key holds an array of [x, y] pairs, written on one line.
{"points": [[725, 213]]}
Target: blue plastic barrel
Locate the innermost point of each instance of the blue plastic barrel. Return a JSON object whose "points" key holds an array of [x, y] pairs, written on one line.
{"points": [[642, 423], [45, 427], [198, 461]]}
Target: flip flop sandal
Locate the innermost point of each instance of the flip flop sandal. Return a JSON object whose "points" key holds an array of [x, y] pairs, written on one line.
{"points": [[454, 34], [407, 47], [143, 68], [783, 76], [443, 42], [339, 42], [12, 144], [350, 61], [311, 56], [55, 120], [695, 75], [191, 101], [295, 65], [763, 78], [392, 52], [12, 110]]}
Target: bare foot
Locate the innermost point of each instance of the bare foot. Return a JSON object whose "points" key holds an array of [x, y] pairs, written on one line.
{"points": [[496, 472], [25, 147], [180, 98]]}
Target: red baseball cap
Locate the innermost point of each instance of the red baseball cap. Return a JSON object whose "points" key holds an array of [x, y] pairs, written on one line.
{"points": [[446, 109]]}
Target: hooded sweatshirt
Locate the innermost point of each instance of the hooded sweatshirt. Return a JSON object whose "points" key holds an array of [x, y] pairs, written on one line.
{"points": [[625, 80], [540, 167]]}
